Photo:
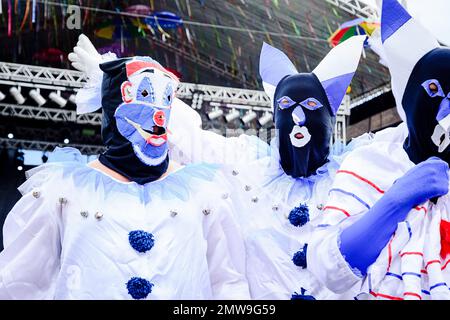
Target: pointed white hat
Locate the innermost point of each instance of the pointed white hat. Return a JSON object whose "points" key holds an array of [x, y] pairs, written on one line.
{"points": [[405, 42], [335, 72]]}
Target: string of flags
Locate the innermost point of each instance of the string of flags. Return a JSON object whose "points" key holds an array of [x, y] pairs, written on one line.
{"points": [[144, 20]]}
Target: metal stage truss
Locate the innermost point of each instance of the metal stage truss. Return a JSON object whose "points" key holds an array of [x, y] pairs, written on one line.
{"points": [[45, 145], [19, 75], [356, 7]]}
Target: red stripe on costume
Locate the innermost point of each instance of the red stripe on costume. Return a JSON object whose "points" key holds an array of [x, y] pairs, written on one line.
{"points": [[421, 208], [411, 253], [373, 185], [431, 262], [435, 261], [413, 294], [445, 265], [381, 295], [390, 252], [338, 209]]}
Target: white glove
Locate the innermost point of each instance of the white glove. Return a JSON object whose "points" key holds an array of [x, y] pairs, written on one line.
{"points": [[85, 58]]}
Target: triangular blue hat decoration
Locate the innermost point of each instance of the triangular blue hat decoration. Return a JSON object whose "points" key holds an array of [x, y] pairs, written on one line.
{"points": [[274, 65], [337, 69], [405, 42], [335, 72]]}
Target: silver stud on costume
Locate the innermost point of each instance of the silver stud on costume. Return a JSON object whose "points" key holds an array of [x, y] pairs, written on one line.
{"points": [[255, 199], [248, 188], [225, 196], [36, 194], [234, 172], [275, 207], [84, 214], [206, 212], [173, 213], [98, 215]]}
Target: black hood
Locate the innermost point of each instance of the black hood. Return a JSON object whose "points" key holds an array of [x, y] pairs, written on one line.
{"points": [[120, 155], [299, 90]]}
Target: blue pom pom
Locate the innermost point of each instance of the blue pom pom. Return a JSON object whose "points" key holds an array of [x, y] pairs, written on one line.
{"points": [[299, 258], [139, 288], [299, 216], [302, 296], [141, 241]]}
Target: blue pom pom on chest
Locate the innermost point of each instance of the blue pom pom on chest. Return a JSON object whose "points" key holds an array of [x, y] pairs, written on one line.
{"points": [[141, 241], [139, 288], [302, 296], [299, 216], [299, 258]]}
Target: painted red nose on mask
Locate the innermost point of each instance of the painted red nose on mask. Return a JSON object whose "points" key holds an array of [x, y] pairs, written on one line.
{"points": [[159, 118]]}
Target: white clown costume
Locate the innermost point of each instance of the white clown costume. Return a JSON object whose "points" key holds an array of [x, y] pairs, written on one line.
{"points": [[273, 207], [415, 262], [78, 233]]}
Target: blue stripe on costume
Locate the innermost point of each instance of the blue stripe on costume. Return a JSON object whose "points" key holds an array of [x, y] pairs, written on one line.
{"points": [[409, 229], [351, 195], [438, 285], [412, 274], [403, 274], [394, 275]]}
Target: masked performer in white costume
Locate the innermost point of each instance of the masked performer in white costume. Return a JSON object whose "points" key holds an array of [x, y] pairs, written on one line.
{"points": [[278, 190], [385, 231], [130, 225]]}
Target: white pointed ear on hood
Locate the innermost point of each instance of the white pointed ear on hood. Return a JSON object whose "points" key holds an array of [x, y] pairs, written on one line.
{"points": [[405, 42], [274, 65], [337, 69]]}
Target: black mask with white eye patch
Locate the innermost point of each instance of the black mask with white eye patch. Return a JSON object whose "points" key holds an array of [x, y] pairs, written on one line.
{"points": [[304, 123], [426, 102]]}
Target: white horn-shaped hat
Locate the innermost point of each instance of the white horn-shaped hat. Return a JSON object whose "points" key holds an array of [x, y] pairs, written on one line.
{"points": [[274, 65], [405, 42], [335, 71]]}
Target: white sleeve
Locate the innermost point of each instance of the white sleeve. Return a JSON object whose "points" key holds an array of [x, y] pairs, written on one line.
{"points": [[29, 263], [325, 261], [225, 254], [349, 198], [190, 144]]}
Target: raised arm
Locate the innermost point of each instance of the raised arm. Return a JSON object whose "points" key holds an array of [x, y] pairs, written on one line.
{"points": [[340, 254], [190, 144], [362, 242]]}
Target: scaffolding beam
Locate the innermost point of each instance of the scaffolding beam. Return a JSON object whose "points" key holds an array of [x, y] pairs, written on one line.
{"points": [[356, 7], [71, 80], [49, 114], [45, 146]]}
